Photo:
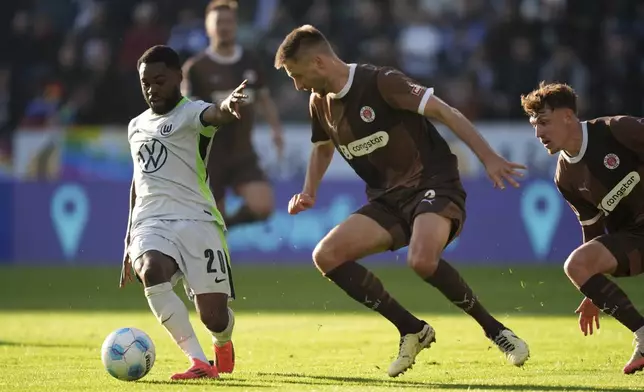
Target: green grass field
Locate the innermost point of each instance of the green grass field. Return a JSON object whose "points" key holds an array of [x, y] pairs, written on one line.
{"points": [[297, 332]]}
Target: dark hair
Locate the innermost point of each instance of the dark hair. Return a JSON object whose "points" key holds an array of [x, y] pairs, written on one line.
{"points": [[160, 54], [216, 5], [552, 96], [304, 37]]}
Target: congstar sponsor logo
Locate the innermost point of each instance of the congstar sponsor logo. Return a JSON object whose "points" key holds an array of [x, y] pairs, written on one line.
{"points": [[620, 191], [366, 145]]}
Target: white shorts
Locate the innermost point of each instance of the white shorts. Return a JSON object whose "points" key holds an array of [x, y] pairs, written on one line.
{"points": [[198, 247]]}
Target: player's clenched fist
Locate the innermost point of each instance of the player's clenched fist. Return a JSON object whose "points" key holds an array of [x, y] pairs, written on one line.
{"points": [[299, 203]]}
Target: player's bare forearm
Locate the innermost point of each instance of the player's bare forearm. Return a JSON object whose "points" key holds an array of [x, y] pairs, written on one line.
{"points": [[460, 125], [215, 115], [319, 161], [593, 231]]}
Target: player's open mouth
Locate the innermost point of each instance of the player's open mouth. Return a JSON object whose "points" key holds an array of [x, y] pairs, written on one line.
{"points": [[155, 99]]}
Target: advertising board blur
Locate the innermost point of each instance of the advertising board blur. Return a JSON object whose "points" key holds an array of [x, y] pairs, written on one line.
{"points": [[69, 197]]}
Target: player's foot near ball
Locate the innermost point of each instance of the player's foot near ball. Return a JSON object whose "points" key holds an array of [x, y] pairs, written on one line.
{"points": [[199, 369], [514, 348], [225, 357], [409, 347], [636, 363]]}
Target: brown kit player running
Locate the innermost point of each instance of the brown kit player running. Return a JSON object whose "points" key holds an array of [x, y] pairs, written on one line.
{"points": [[211, 76], [376, 117], [599, 171]]}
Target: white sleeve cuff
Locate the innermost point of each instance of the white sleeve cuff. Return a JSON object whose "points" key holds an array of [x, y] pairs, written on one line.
{"points": [[593, 220], [423, 102]]}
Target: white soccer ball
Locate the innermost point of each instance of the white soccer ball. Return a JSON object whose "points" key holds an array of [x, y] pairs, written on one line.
{"points": [[128, 354]]}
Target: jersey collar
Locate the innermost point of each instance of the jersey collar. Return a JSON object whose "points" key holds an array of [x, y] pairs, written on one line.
{"points": [[584, 146], [347, 86], [225, 60], [181, 102]]}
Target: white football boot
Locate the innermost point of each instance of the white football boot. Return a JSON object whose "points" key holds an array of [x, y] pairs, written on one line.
{"points": [[409, 347], [515, 349]]}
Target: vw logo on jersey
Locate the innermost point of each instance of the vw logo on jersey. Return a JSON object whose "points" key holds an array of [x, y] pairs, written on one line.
{"points": [[611, 161], [165, 129], [367, 114], [152, 156]]}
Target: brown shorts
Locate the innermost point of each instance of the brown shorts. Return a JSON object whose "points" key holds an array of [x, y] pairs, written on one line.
{"points": [[396, 210], [231, 169], [628, 249]]}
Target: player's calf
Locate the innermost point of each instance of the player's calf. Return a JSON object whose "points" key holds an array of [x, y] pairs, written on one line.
{"points": [[220, 322], [223, 346]]}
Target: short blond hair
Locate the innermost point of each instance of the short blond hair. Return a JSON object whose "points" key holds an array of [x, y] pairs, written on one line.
{"points": [[305, 37]]}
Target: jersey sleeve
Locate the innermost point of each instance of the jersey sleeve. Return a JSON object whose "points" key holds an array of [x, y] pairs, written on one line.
{"points": [[401, 92], [629, 131], [318, 135], [587, 214], [196, 114]]}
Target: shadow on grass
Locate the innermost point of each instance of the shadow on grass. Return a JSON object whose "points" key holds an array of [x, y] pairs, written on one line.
{"points": [[45, 345], [222, 382], [301, 378]]}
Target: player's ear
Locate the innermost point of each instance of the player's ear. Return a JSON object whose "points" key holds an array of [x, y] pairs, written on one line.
{"points": [[318, 61]]}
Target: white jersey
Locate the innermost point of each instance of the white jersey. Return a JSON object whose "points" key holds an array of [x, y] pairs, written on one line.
{"points": [[169, 153]]}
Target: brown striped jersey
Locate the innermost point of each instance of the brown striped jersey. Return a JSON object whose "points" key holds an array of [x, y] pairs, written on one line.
{"points": [[604, 179], [376, 123]]}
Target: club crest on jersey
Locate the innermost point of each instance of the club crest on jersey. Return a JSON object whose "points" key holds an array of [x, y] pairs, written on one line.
{"points": [[152, 156], [165, 129], [367, 114], [416, 89], [611, 161]]}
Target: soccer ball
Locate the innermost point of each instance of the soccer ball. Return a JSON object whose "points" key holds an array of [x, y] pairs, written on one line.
{"points": [[128, 354]]}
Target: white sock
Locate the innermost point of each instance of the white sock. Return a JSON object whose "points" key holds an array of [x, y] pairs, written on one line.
{"points": [[639, 334], [223, 337], [173, 315]]}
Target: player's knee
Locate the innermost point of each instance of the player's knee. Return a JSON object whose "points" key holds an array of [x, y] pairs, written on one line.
{"points": [[152, 269], [262, 207], [580, 264], [423, 261], [216, 320], [326, 256]]}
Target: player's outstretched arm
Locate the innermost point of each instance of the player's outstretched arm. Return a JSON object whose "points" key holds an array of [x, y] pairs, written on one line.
{"points": [[319, 161], [321, 156], [227, 110], [499, 170]]}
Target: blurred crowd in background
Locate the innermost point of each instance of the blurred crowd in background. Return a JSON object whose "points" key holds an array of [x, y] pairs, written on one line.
{"points": [[66, 62]]}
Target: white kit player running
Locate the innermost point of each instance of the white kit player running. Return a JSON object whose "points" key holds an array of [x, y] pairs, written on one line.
{"points": [[175, 230]]}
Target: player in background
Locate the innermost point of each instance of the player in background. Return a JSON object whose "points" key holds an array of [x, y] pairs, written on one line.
{"points": [[599, 172], [175, 230], [377, 118], [211, 76]]}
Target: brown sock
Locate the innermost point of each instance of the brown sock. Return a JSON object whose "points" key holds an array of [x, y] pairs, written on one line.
{"points": [[608, 297], [449, 282], [364, 287]]}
